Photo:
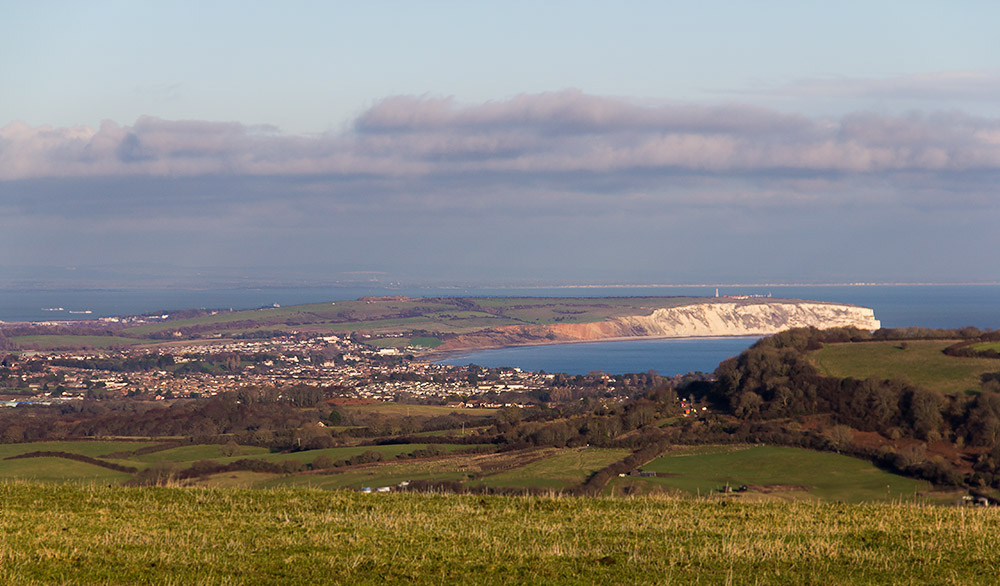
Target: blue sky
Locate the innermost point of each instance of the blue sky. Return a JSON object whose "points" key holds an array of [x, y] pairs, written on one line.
{"points": [[650, 142]]}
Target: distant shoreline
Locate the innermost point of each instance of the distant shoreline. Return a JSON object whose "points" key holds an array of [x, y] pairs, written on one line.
{"points": [[266, 286], [435, 356]]}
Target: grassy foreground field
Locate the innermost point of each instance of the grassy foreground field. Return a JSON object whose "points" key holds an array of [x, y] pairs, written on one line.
{"points": [[922, 363], [80, 535]]}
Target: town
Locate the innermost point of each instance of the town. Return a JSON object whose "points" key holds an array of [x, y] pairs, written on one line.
{"points": [[354, 369]]}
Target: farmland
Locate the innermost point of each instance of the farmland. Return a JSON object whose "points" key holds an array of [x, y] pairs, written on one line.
{"points": [[813, 476], [58, 342], [987, 346], [563, 469], [919, 362], [773, 472], [444, 315], [65, 534]]}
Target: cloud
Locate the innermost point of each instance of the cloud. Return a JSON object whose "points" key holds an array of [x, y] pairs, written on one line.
{"points": [[527, 137]]}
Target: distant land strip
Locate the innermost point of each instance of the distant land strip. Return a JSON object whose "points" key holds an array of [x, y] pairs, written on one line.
{"points": [[446, 324]]}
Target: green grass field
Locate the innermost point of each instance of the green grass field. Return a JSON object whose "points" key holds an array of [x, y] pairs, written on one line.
{"points": [[405, 410], [101, 535], [986, 346], [783, 473], [94, 449], [199, 452], [563, 469], [374, 475], [58, 342], [51, 469], [59, 470], [404, 342], [922, 363], [62, 470], [388, 452]]}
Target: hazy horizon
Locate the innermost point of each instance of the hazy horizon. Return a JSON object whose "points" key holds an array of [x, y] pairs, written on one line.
{"points": [[159, 277]]}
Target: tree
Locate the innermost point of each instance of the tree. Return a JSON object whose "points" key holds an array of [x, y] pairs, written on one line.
{"points": [[229, 449], [747, 404], [323, 461], [841, 437], [925, 412]]}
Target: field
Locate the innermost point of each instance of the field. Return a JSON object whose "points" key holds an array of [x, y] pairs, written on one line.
{"points": [[94, 449], [404, 342], [562, 469], [774, 473], [386, 474], [60, 470], [922, 363], [406, 410], [986, 346], [789, 474], [72, 534], [198, 452], [59, 342]]}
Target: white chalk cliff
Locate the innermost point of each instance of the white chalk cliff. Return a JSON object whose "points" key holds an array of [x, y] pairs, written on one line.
{"points": [[746, 319], [710, 318]]}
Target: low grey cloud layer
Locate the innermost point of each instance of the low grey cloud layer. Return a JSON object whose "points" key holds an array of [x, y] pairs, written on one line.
{"points": [[544, 133], [654, 191]]}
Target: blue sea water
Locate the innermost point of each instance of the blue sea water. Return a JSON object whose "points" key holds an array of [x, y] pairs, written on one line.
{"points": [[933, 306], [666, 357]]}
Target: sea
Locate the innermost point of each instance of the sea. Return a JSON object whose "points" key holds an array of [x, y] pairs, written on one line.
{"points": [[931, 306]]}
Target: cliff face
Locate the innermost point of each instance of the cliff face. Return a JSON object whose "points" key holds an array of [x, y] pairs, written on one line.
{"points": [[735, 319], [724, 318]]}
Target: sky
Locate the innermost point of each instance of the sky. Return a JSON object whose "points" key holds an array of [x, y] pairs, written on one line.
{"points": [[499, 142]]}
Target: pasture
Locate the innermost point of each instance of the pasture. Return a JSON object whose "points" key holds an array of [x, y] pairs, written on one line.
{"points": [[178, 458], [562, 469], [405, 342], [986, 346], [772, 472], [406, 410], [919, 362], [94, 449], [60, 342]]}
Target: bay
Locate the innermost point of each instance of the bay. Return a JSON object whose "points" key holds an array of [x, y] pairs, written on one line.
{"points": [[666, 356], [932, 306]]}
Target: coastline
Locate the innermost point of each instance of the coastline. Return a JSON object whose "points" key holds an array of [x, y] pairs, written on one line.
{"points": [[436, 356]]}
